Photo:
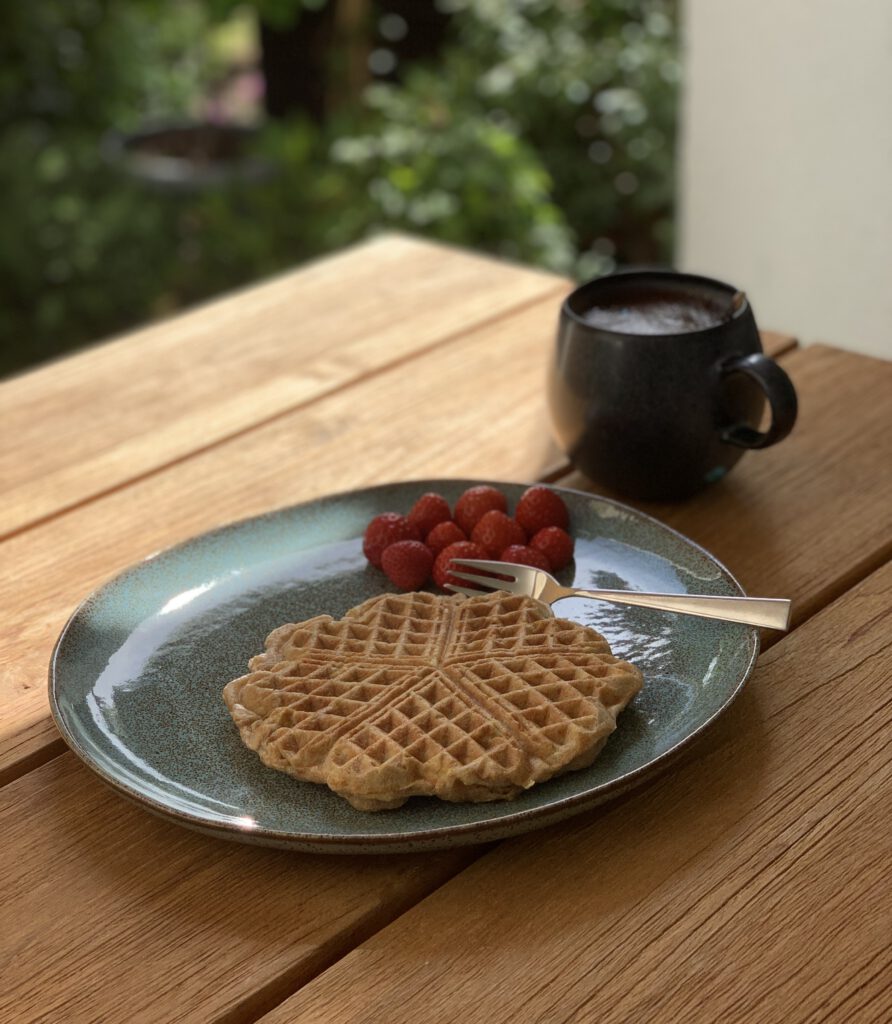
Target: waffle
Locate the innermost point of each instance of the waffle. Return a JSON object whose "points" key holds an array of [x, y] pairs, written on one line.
{"points": [[466, 699]]}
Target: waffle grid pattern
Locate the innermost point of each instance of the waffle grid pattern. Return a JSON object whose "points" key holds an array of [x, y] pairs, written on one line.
{"points": [[414, 694]]}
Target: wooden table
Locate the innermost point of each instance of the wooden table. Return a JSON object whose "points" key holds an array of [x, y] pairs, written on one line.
{"points": [[748, 883]]}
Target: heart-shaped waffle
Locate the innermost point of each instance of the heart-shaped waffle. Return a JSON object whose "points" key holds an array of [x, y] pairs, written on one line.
{"points": [[414, 694]]}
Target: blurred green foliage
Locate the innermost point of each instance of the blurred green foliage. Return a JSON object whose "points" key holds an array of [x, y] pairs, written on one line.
{"points": [[592, 85], [83, 253], [544, 132]]}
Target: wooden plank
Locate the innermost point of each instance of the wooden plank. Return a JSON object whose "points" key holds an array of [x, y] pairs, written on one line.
{"points": [[110, 914], [488, 422], [811, 516], [750, 885], [91, 422], [32, 740], [777, 343]]}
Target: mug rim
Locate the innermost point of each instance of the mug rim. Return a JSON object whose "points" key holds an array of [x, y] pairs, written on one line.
{"points": [[656, 275]]}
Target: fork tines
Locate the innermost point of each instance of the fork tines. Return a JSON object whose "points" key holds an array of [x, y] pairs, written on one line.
{"points": [[467, 591], [503, 579], [508, 570]]}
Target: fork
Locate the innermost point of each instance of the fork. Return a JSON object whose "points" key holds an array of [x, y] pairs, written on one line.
{"points": [[771, 612]]}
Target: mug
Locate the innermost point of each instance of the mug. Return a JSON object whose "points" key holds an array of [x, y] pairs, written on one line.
{"points": [[658, 383]]}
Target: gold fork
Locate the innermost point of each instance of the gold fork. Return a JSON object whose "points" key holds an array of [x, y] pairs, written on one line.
{"points": [[771, 612]]}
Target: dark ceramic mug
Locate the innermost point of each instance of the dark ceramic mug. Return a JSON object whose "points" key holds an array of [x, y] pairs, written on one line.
{"points": [[659, 383]]}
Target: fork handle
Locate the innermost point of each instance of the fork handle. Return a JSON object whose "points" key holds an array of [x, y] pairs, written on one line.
{"points": [[771, 612]]}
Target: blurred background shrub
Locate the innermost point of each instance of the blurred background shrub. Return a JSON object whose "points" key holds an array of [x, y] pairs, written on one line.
{"points": [[154, 154]]}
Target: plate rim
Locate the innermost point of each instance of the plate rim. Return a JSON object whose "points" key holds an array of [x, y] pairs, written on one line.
{"points": [[388, 842]]}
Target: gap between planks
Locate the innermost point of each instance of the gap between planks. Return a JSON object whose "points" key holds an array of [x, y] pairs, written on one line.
{"points": [[277, 990]]}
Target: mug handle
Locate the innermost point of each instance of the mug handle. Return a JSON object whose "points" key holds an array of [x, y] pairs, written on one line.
{"points": [[777, 388]]}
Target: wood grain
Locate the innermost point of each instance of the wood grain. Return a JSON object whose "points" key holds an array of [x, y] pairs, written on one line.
{"points": [[813, 515], [466, 415], [749, 885], [91, 422], [110, 914]]}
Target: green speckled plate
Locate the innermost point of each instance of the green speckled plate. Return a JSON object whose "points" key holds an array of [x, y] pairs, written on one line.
{"points": [[137, 674]]}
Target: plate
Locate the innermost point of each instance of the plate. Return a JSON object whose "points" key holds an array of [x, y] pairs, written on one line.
{"points": [[137, 674]]}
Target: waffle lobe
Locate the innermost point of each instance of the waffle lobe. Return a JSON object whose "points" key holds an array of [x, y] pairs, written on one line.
{"points": [[466, 699]]}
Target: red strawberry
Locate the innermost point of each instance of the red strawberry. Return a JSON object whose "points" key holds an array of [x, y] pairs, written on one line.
{"points": [[540, 507], [475, 503], [520, 554], [496, 531], [444, 534], [408, 564], [428, 511], [384, 530], [556, 544], [461, 549]]}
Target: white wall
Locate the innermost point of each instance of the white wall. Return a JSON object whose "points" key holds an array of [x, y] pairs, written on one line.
{"points": [[786, 184]]}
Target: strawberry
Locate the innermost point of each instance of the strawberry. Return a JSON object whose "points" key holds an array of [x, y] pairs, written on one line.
{"points": [[461, 549], [496, 531], [475, 503], [408, 564], [384, 530], [556, 544], [520, 554], [430, 510], [444, 534], [540, 507]]}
